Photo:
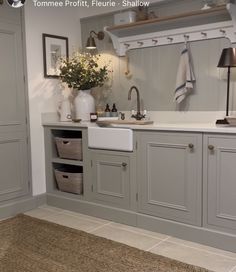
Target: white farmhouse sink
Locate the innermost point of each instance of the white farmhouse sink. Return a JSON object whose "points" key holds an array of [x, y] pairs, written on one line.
{"points": [[110, 138]]}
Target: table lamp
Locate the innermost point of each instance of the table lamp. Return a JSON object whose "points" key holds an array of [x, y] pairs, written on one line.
{"points": [[227, 60]]}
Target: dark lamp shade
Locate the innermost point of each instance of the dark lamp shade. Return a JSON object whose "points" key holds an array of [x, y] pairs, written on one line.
{"points": [[227, 58], [91, 43]]}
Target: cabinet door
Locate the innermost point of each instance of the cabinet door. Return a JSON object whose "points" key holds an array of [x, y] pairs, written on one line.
{"points": [[111, 179], [220, 182], [169, 175], [14, 162]]}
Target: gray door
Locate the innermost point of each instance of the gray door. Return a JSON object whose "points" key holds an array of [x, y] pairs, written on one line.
{"points": [[13, 129], [220, 182], [169, 175], [111, 178]]}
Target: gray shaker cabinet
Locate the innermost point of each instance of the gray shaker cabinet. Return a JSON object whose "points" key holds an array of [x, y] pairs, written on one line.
{"points": [[220, 182], [169, 171], [14, 152], [110, 172]]}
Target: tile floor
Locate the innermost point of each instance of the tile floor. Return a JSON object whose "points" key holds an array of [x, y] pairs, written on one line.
{"points": [[211, 258]]}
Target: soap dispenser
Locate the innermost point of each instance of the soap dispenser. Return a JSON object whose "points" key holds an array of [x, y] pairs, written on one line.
{"points": [[114, 112], [107, 111]]}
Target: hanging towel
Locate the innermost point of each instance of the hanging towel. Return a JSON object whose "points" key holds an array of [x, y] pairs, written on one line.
{"points": [[185, 76]]}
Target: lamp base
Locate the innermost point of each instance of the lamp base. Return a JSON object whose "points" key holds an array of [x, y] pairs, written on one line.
{"points": [[222, 122]]}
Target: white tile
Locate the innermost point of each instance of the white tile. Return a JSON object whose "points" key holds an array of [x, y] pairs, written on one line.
{"points": [[140, 231], [40, 213], [209, 249], [51, 208], [73, 222], [127, 237], [194, 256], [80, 215]]}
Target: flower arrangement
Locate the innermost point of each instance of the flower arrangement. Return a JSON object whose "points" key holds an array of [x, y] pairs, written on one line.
{"points": [[82, 71]]}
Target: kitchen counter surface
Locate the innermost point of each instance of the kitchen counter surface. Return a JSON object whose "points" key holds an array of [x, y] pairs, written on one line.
{"points": [[69, 124], [184, 127]]}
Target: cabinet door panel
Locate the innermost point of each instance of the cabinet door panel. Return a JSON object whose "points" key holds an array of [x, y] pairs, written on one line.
{"points": [[111, 178], [12, 102], [220, 182], [162, 163], [169, 173], [13, 165]]}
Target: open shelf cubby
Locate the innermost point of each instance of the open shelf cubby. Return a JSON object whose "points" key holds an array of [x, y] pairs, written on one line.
{"points": [[69, 170]]}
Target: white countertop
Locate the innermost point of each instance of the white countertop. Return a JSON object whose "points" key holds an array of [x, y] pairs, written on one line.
{"points": [[68, 124], [188, 127], [184, 127]]}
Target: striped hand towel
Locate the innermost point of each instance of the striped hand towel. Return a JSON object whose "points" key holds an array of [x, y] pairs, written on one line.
{"points": [[185, 76]]}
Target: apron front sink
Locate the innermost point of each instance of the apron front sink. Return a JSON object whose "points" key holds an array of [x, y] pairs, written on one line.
{"points": [[110, 138]]}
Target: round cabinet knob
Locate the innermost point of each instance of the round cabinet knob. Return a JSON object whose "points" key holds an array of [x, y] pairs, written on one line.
{"points": [[124, 164], [191, 146], [211, 147]]}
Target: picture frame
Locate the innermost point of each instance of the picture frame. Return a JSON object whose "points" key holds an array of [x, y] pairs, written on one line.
{"points": [[54, 48]]}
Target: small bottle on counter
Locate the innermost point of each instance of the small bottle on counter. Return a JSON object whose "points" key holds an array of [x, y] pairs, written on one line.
{"points": [[93, 117], [114, 112], [107, 111]]}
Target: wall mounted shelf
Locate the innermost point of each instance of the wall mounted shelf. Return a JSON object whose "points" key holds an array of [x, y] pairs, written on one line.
{"points": [[201, 25]]}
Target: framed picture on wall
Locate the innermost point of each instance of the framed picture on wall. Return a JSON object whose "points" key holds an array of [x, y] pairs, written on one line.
{"points": [[54, 48]]}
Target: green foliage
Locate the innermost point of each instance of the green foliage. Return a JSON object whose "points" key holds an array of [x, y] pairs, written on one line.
{"points": [[82, 71]]}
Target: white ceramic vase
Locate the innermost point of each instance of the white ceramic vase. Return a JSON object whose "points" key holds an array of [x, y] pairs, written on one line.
{"points": [[84, 104]]}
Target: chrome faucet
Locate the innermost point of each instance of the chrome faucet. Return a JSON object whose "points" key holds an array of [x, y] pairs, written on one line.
{"points": [[138, 115]]}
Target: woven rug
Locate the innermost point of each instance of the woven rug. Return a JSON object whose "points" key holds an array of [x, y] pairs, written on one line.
{"points": [[32, 245]]}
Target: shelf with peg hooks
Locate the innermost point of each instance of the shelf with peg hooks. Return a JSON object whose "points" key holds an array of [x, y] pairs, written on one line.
{"points": [[218, 22]]}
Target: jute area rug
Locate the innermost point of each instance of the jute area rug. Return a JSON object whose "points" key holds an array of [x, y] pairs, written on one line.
{"points": [[32, 245]]}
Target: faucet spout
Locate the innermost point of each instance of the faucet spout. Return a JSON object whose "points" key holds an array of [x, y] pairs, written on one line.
{"points": [[138, 116]]}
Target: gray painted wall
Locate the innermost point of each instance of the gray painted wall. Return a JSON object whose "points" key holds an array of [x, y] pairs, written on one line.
{"points": [[154, 69]]}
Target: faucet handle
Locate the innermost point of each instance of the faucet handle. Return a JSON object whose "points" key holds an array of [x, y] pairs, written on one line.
{"points": [[133, 114], [122, 115]]}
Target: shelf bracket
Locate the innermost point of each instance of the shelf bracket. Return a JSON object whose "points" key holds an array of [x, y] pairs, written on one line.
{"points": [[116, 43]]}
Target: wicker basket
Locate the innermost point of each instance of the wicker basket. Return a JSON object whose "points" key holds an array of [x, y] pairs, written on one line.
{"points": [[69, 148], [69, 182]]}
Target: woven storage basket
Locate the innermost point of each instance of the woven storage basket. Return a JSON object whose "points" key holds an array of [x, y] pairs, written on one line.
{"points": [[69, 182], [69, 148]]}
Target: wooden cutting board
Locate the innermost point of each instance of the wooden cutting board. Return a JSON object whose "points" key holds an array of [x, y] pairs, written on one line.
{"points": [[124, 122]]}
